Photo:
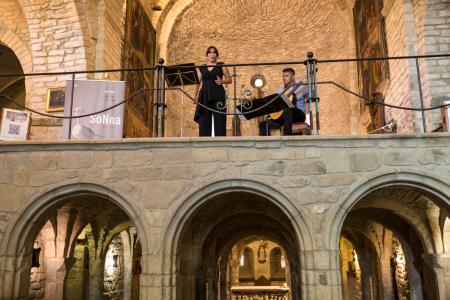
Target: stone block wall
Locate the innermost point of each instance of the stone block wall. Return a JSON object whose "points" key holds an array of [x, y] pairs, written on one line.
{"points": [[399, 92], [154, 180], [437, 41], [59, 36]]}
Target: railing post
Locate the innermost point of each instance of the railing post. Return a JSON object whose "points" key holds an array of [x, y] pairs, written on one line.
{"points": [[311, 68], [316, 96], [71, 106], [159, 102], [235, 121], [308, 76], [162, 101], [421, 95]]}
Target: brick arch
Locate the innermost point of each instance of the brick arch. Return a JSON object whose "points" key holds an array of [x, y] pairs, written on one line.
{"points": [[88, 25], [21, 50], [14, 280], [166, 21], [76, 27]]}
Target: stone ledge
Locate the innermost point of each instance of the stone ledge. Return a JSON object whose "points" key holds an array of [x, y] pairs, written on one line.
{"points": [[340, 141]]}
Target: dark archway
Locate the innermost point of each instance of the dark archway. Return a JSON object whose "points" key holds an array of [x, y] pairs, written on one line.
{"points": [[13, 87], [64, 212], [396, 238], [215, 227], [86, 247]]}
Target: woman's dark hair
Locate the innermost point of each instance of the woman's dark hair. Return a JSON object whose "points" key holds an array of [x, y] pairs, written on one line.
{"points": [[212, 48]]}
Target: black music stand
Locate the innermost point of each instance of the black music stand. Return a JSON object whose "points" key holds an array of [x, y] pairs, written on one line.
{"points": [[184, 74]]}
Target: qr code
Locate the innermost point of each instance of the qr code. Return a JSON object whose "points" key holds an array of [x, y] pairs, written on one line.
{"points": [[14, 129]]}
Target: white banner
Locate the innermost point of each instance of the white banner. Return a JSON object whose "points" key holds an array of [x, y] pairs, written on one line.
{"points": [[15, 124], [92, 96]]}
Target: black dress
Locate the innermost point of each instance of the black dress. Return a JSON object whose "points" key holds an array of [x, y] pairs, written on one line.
{"points": [[212, 96]]}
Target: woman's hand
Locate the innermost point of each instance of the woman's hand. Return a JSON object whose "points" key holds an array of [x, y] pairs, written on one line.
{"points": [[218, 80]]}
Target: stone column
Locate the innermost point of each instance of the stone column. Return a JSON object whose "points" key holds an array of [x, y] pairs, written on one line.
{"points": [[318, 268], [440, 264], [54, 281], [365, 262], [127, 243]]}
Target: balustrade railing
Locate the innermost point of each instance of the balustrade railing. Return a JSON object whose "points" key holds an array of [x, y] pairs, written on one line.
{"points": [[164, 95]]}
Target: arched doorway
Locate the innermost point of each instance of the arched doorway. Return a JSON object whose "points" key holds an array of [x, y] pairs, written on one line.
{"points": [[75, 243], [13, 87], [217, 234], [391, 245]]}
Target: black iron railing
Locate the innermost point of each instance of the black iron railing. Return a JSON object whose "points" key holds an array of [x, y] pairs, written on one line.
{"points": [[160, 88]]}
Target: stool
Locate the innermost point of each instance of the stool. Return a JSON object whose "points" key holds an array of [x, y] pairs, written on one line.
{"points": [[300, 128]]}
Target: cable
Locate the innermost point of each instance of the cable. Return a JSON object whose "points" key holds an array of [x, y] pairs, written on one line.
{"points": [[231, 114], [379, 102], [227, 113], [73, 117]]}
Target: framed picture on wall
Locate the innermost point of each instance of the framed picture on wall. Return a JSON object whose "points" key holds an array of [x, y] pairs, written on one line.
{"points": [[55, 99]]}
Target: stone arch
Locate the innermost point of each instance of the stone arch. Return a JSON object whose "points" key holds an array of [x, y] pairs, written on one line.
{"points": [[77, 41], [424, 187], [248, 267], [275, 257], [181, 211], [433, 187], [406, 213], [166, 21], [23, 229], [22, 52], [13, 41]]}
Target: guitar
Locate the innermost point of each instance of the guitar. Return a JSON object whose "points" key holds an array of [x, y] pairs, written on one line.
{"points": [[276, 115]]}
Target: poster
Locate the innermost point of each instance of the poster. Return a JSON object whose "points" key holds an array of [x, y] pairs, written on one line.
{"points": [[91, 96], [15, 124]]}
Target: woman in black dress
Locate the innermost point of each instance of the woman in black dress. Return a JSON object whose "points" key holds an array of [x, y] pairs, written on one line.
{"points": [[211, 93]]}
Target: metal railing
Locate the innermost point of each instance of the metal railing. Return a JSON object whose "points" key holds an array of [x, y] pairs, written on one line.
{"points": [[160, 89]]}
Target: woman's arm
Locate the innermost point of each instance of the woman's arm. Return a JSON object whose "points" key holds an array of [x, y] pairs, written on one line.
{"points": [[226, 76], [198, 87]]}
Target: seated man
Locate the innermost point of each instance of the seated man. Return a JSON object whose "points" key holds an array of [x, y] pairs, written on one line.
{"points": [[291, 114]]}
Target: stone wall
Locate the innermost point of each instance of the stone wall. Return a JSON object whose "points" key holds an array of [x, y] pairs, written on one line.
{"points": [[57, 36], [399, 92], [156, 180], [437, 41]]}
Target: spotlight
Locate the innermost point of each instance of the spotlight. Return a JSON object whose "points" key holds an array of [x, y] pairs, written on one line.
{"points": [[257, 81]]}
